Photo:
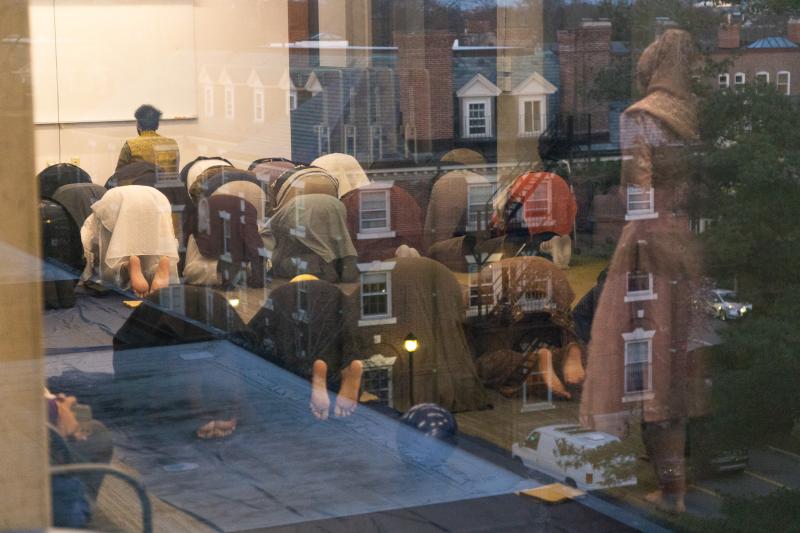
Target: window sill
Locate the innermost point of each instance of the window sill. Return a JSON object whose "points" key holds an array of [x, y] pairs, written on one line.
{"points": [[641, 216], [376, 322], [638, 396], [640, 297], [529, 135], [376, 235]]}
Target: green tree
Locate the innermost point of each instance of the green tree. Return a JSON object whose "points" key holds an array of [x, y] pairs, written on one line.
{"points": [[748, 182]]}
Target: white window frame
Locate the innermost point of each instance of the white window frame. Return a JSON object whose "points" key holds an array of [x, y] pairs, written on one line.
{"points": [[371, 269], [475, 281], [788, 81], [763, 73], [387, 209], [638, 296], [739, 79], [487, 106], [640, 213], [723, 81], [323, 139], [258, 105], [638, 335], [473, 206], [291, 101], [529, 305], [542, 100], [350, 139], [208, 100], [230, 102], [376, 134], [539, 221], [379, 232]]}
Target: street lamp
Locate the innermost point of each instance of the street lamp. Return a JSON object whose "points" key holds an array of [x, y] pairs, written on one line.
{"points": [[410, 344]]}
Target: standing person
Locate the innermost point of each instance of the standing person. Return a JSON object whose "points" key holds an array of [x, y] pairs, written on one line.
{"points": [[637, 365], [148, 145]]}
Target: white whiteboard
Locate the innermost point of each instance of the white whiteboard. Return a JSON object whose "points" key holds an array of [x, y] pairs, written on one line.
{"points": [[98, 60]]}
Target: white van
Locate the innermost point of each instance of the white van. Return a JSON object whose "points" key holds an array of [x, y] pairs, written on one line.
{"points": [[557, 451]]}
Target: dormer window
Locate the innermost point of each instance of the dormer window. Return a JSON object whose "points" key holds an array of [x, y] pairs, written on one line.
{"points": [[323, 139], [640, 203], [640, 287], [477, 100], [230, 109], [477, 117], [350, 140], [258, 105], [531, 116], [208, 100]]}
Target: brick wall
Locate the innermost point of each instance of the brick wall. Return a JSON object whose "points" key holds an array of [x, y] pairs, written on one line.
{"points": [[583, 53], [425, 70], [793, 30], [771, 61], [728, 36]]}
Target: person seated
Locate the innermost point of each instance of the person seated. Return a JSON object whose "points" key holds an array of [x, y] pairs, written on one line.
{"points": [[79, 439], [150, 146], [129, 240]]}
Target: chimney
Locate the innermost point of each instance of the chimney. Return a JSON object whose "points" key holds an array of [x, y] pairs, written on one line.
{"points": [[728, 36], [793, 30]]}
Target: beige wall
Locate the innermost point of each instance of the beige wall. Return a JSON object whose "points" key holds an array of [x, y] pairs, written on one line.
{"points": [[240, 36], [24, 485]]}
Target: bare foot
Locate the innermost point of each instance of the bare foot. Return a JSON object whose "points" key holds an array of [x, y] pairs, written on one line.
{"points": [[347, 399], [546, 369], [217, 429], [320, 403], [138, 282], [670, 503], [573, 365], [161, 278]]}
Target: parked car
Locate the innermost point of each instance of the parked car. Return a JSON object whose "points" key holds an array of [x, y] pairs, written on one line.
{"points": [[577, 457], [725, 305]]}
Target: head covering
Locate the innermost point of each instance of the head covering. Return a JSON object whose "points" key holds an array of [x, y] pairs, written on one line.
{"points": [[54, 176], [516, 206], [250, 192], [447, 214], [193, 169], [240, 243], [318, 221], [134, 173], [215, 177], [663, 74], [268, 169], [139, 219], [344, 168], [300, 181], [77, 199], [463, 156]]}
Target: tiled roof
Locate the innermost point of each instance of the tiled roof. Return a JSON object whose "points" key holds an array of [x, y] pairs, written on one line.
{"points": [[773, 42]]}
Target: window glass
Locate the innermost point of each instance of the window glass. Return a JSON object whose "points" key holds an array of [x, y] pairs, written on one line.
{"points": [[361, 255]]}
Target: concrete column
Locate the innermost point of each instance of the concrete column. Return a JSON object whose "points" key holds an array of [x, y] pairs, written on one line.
{"points": [[24, 481]]}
